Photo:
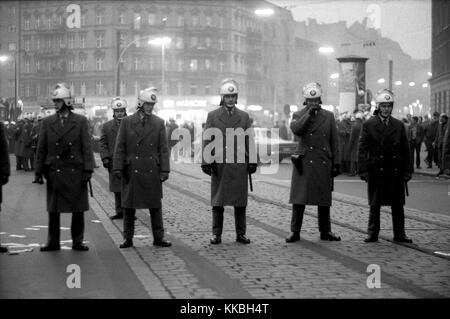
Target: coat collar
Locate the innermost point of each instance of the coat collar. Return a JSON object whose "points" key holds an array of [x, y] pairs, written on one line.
{"points": [[141, 131], [318, 120], [57, 127], [225, 118]]}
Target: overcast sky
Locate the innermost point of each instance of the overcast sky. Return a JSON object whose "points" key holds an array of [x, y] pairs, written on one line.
{"points": [[405, 21]]}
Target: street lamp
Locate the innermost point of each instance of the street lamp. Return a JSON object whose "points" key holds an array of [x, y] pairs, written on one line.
{"points": [[381, 81], [162, 41], [326, 50], [398, 83], [264, 12], [412, 83]]}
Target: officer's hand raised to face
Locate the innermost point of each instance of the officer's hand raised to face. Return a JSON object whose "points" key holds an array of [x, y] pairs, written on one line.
{"points": [[106, 163], [86, 176], [407, 177], [117, 174]]}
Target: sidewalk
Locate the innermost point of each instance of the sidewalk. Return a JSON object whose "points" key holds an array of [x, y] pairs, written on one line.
{"points": [[424, 170]]}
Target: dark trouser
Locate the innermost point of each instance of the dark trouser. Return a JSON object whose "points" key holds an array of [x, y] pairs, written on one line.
{"points": [[155, 219], [398, 221], [323, 217], [19, 162], [76, 228], [430, 153], [240, 222], [118, 203], [353, 167], [415, 148]]}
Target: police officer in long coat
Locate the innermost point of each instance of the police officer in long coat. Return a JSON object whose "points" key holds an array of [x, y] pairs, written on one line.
{"points": [[141, 161], [18, 143], [65, 159], [5, 170], [316, 163], [107, 143], [385, 163], [229, 176]]}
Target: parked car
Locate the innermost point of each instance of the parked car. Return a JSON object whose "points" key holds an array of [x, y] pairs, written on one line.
{"points": [[267, 142]]}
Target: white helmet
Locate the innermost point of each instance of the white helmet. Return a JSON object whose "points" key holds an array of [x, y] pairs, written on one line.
{"points": [[359, 115], [62, 92], [118, 103], [228, 86], [147, 95], [312, 90], [13, 123], [40, 116], [6, 122], [384, 96]]}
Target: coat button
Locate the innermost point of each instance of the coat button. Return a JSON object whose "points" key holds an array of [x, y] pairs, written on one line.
{"points": [[381, 156], [381, 169], [71, 156], [58, 170], [310, 134], [310, 148], [137, 157], [150, 171], [137, 144], [57, 144], [310, 161], [135, 170], [70, 144], [323, 162], [57, 156]]}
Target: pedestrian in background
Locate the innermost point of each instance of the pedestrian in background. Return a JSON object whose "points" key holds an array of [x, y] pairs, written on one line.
{"points": [[446, 151], [141, 161], [5, 170], [415, 136], [107, 143], [65, 159], [385, 163], [430, 131], [229, 181], [353, 143], [439, 141], [316, 163], [18, 143]]}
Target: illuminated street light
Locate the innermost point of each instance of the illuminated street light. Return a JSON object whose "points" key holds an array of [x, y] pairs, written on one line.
{"points": [[425, 85], [4, 58], [380, 81], [430, 74], [326, 50], [264, 12], [412, 83], [398, 83], [162, 41], [334, 76]]}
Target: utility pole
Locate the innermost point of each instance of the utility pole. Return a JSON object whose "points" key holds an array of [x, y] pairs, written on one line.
{"points": [[118, 63], [391, 67]]}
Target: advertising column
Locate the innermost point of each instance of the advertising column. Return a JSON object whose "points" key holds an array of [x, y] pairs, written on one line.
{"points": [[352, 82]]}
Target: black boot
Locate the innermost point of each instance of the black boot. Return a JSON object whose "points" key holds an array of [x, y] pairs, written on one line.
{"points": [[242, 239], [162, 243], [295, 236], [50, 247], [217, 239], [118, 216], [329, 236], [3, 249], [371, 239], [127, 243]]}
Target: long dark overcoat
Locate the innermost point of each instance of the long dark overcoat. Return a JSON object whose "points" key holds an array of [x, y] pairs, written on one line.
{"points": [[107, 143], [354, 140], [318, 145], [229, 187], [141, 153], [383, 152], [27, 140], [63, 153], [4, 156], [18, 145]]}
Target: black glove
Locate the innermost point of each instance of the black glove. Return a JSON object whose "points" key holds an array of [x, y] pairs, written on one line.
{"points": [[106, 163], [407, 177], [252, 168], [86, 176], [364, 176], [207, 169], [4, 179], [117, 174], [336, 170], [163, 176], [313, 110]]}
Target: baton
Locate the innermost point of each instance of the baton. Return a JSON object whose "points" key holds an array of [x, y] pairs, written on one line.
{"points": [[406, 189], [90, 188], [250, 180]]}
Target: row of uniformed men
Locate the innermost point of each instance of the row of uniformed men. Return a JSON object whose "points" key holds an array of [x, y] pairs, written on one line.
{"points": [[134, 150]]}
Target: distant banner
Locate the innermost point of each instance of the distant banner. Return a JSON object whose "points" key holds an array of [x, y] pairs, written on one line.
{"points": [[352, 83]]}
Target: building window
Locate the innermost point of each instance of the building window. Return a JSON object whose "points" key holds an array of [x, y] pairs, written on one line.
{"points": [[99, 18], [12, 11], [49, 22], [208, 42], [208, 21], [38, 89], [99, 64], [136, 88], [49, 43], [179, 44], [221, 44], [82, 40], [49, 66], [179, 88], [151, 19], [195, 20], [83, 19], [137, 21], [99, 88], [221, 22], [193, 90], [194, 42], [207, 64], [37, 43], [27, 66], [137, 42], [27, 24], [136, 64], [26, 43], [193, 66], [122, 40], [12, 46], [71, 37], [180, 65], [27, 90], [99, 40], [82, 64], [207, 89], [12, 28], [180, 21], [122, 18], [83, 88], [71, 65], [38, 65], [221, 66], [38, 22]]}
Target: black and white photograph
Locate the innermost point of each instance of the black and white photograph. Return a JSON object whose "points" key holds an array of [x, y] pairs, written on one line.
{"points": [[225, 158]]}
